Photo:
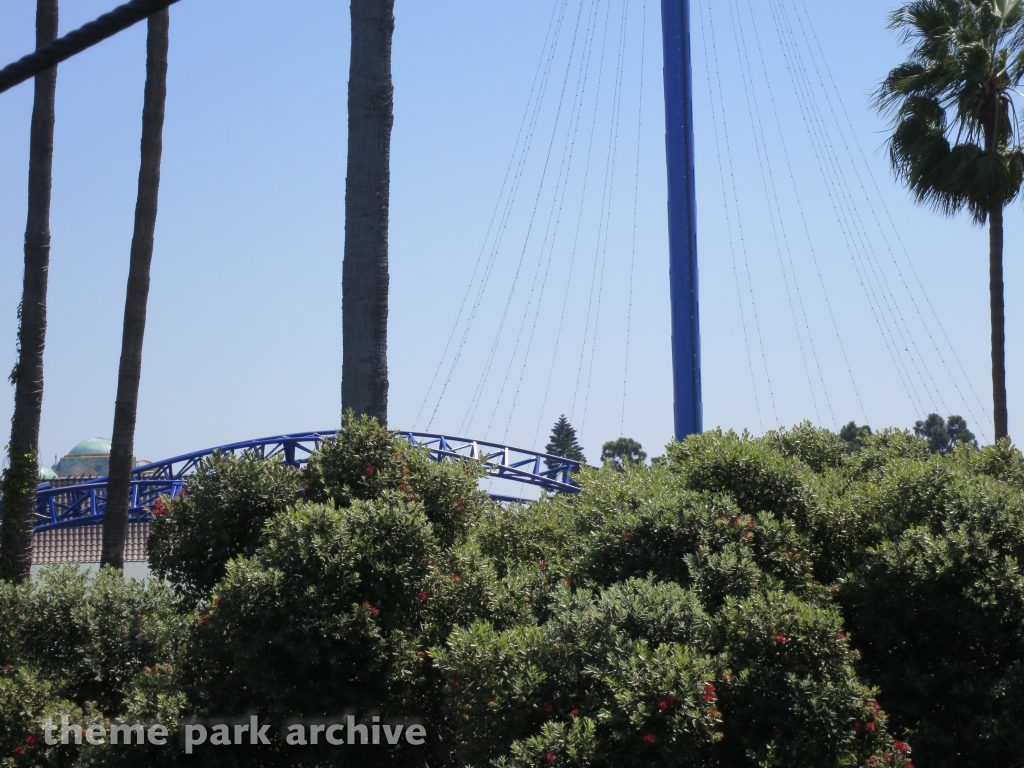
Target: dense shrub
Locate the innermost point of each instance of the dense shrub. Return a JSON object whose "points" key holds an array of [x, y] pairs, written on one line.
{"points": [[26, 704], [746, 602], [90, 636], [365, 461], [220, 515], [938, 610], [317, 616]]}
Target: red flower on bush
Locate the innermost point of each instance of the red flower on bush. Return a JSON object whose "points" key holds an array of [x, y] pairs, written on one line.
{"points": [[709, 692], [19, 751], [714, 713], [455, 577], [549, 756], [626, 535], [746, 536], [159, 508], [454, 683], [31, 741], [542, 565], [370, 470], [872, 760], [870, 727], [858, 727], [574, 713], [781, 639], [650, 738], [901, 746], [423, 595], [667, 703]]}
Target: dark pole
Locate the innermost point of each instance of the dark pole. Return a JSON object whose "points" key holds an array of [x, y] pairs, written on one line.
{"points": [[22, 476], [682, 219], [107, 25], [126, 406]]}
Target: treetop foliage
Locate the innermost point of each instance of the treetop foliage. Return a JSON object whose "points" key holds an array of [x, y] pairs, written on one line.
{"points": [[944, 435], [563, 442], [622, 452]]}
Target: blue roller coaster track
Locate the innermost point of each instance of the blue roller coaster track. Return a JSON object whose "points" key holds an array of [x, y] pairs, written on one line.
{"points": [[85, 503]]}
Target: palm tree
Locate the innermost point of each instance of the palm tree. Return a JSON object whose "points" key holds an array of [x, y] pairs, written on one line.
{"points": [[955, 127], [364, 379], [22, 476], [115, 522]]}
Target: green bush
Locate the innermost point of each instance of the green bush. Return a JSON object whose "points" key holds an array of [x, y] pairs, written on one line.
{"points": [[219, 515], [315, 620], [365, 461], [747, 602], [938, 610], [648, 677], [89, 635], [27, 703]]}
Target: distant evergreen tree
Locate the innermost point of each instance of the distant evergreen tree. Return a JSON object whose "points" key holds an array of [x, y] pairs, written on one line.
{"points": [[563, 442], [622, 452], [944, 435], [854, 435]]}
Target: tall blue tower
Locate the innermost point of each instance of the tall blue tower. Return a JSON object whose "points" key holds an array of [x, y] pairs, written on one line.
{"points": [[682, 219]]}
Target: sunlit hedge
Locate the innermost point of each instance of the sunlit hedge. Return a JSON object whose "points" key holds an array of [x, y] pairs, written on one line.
{"points": [[774, 601]]}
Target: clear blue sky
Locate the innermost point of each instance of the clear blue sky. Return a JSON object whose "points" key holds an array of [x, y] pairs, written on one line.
{"points": [[244, 335]]}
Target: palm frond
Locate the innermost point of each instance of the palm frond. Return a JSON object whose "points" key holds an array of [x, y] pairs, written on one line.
{"points": [[950, 103]]}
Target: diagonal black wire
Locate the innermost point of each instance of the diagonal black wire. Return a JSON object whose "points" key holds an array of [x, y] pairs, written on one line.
{"points": [[62, 49]]}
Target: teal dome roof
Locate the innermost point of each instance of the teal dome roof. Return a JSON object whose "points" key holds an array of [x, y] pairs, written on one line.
{"points": [[94, 446], [45, 473]]}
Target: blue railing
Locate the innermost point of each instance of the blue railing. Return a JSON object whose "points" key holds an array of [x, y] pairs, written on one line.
{"points": [[85, 503]]}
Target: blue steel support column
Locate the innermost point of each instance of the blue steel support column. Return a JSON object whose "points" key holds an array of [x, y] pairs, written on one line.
{"points": [[682, 218]]}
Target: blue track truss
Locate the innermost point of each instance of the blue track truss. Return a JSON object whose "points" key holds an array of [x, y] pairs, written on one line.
{"points": [[85, 503]]}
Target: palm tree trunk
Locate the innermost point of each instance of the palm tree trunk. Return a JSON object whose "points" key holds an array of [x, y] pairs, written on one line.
{"points": [[22, 476], [115, 522], [995, 260], [364, 381]]}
